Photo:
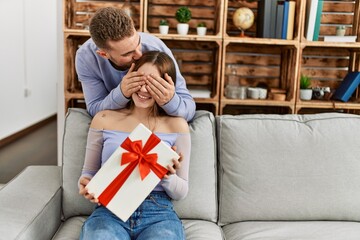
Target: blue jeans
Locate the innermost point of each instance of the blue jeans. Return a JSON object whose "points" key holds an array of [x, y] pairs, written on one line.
{"points": [[154, 219]]}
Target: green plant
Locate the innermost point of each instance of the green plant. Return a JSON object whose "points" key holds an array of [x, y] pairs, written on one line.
{"points": [[201, 24], [183, 15], [305, 82], [164, 22]]}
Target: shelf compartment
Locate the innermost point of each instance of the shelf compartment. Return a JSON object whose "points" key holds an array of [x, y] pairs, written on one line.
{"points": [[209, 12], [230, 30], [336, 13], [270, 66], [199, 63], [79, 13], [328, 67]]}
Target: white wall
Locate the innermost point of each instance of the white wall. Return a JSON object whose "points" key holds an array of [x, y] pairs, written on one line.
{"points": [[28, 61]]}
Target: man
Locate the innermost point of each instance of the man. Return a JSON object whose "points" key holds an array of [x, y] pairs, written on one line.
{"points": [[104, 65]]}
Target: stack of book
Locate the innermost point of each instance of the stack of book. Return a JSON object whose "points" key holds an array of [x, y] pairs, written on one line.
{"points": [[313, 19], [276, 19]]}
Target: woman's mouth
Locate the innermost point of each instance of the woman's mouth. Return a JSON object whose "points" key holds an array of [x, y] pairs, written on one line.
{"points": [[143, 97]]}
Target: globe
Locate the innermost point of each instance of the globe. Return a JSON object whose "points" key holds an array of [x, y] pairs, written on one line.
{"points": [[243, 19]]}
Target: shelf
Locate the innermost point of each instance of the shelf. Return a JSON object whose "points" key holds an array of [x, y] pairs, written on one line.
{"points": [[189, 37], [206, 61], [261, 41], [327, 104]]}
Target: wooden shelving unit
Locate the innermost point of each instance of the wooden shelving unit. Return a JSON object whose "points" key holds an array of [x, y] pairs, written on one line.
{"points": [[204, 60]]}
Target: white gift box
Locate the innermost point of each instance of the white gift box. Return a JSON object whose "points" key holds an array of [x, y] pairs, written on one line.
{"points": [[124, 200]]}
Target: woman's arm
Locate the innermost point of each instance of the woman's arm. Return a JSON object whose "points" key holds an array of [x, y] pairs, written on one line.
{"points": [[176, 185]]}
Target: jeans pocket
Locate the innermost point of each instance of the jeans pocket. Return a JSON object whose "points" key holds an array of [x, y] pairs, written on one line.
{"points": [[161, 202]]}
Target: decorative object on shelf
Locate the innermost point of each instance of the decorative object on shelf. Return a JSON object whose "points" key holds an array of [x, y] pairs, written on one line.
{"points": [[201, 29], [277, 94], [305, 90], [183, 16], [232, 86], [128, 8], [340, 30], [164, 26], [257, 93], [243, 19], [320, 92]]}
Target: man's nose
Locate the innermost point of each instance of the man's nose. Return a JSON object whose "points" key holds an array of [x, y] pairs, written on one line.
{"points": [[137, 54]]}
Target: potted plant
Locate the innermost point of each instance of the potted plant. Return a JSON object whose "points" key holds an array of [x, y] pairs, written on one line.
{"points": [[340, 30], [164, 26], [183, 16], [305, 90], [201, 29]]}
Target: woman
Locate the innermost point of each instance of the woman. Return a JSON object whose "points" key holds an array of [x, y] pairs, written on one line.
{"points": [[155, 217]]}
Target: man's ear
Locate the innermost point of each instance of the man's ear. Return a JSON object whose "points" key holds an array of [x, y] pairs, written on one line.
{"points": [[102, 53]]}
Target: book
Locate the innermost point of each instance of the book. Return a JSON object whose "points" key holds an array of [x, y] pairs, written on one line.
{"points": [[131, 172], [285, 20], [347, 86], [340, 38], [311, 10], [279, 18], [291, 20], [318, 20], [266, 19]]}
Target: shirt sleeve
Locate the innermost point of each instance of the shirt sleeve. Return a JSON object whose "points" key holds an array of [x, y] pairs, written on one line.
{"points": [[177, 185], [94, 146], [97, 96]]}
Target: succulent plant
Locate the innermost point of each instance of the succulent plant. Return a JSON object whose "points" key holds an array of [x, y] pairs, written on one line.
{"points": [[164, 22], [183, 15], [201, 24], [305, 82]]}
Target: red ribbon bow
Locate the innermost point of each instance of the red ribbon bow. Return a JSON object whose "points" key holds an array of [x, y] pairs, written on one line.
{"points": [[137, 155]]}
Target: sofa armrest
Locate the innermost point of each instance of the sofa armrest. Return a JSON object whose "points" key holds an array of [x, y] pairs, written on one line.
{"points": [[30, 204]]}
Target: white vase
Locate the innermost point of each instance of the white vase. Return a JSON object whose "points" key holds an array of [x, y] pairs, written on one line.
{"points": [[164, 29], [201, 31], [182, 28], [305, 94]]}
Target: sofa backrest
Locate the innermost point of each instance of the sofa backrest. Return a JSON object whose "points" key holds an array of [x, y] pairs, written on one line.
{"points": [[289, 167], [201, 202]]}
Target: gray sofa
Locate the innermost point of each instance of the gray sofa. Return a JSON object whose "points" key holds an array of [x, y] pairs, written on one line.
{"points": [[252, 177]]}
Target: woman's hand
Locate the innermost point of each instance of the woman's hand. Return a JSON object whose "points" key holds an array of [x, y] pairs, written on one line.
{"points": [[175, 166], [83, 191]]}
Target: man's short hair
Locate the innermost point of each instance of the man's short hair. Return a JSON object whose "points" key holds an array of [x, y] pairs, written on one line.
{"points": [[110, 23]]}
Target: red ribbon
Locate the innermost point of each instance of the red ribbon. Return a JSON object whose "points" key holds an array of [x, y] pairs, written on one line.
{"points": [[137, 155]]}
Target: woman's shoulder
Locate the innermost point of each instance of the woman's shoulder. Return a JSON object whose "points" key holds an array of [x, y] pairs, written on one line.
{"points": [[104, 119], [177, 124]]}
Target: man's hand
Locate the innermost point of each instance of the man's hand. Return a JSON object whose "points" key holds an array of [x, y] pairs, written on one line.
{"points": [[131, 82], [162, 90], [83, 191]]}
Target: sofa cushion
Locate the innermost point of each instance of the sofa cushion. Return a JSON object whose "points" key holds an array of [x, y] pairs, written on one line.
{"points": [[201, 202], [77, 122], [289, 167], [310, 230]]}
